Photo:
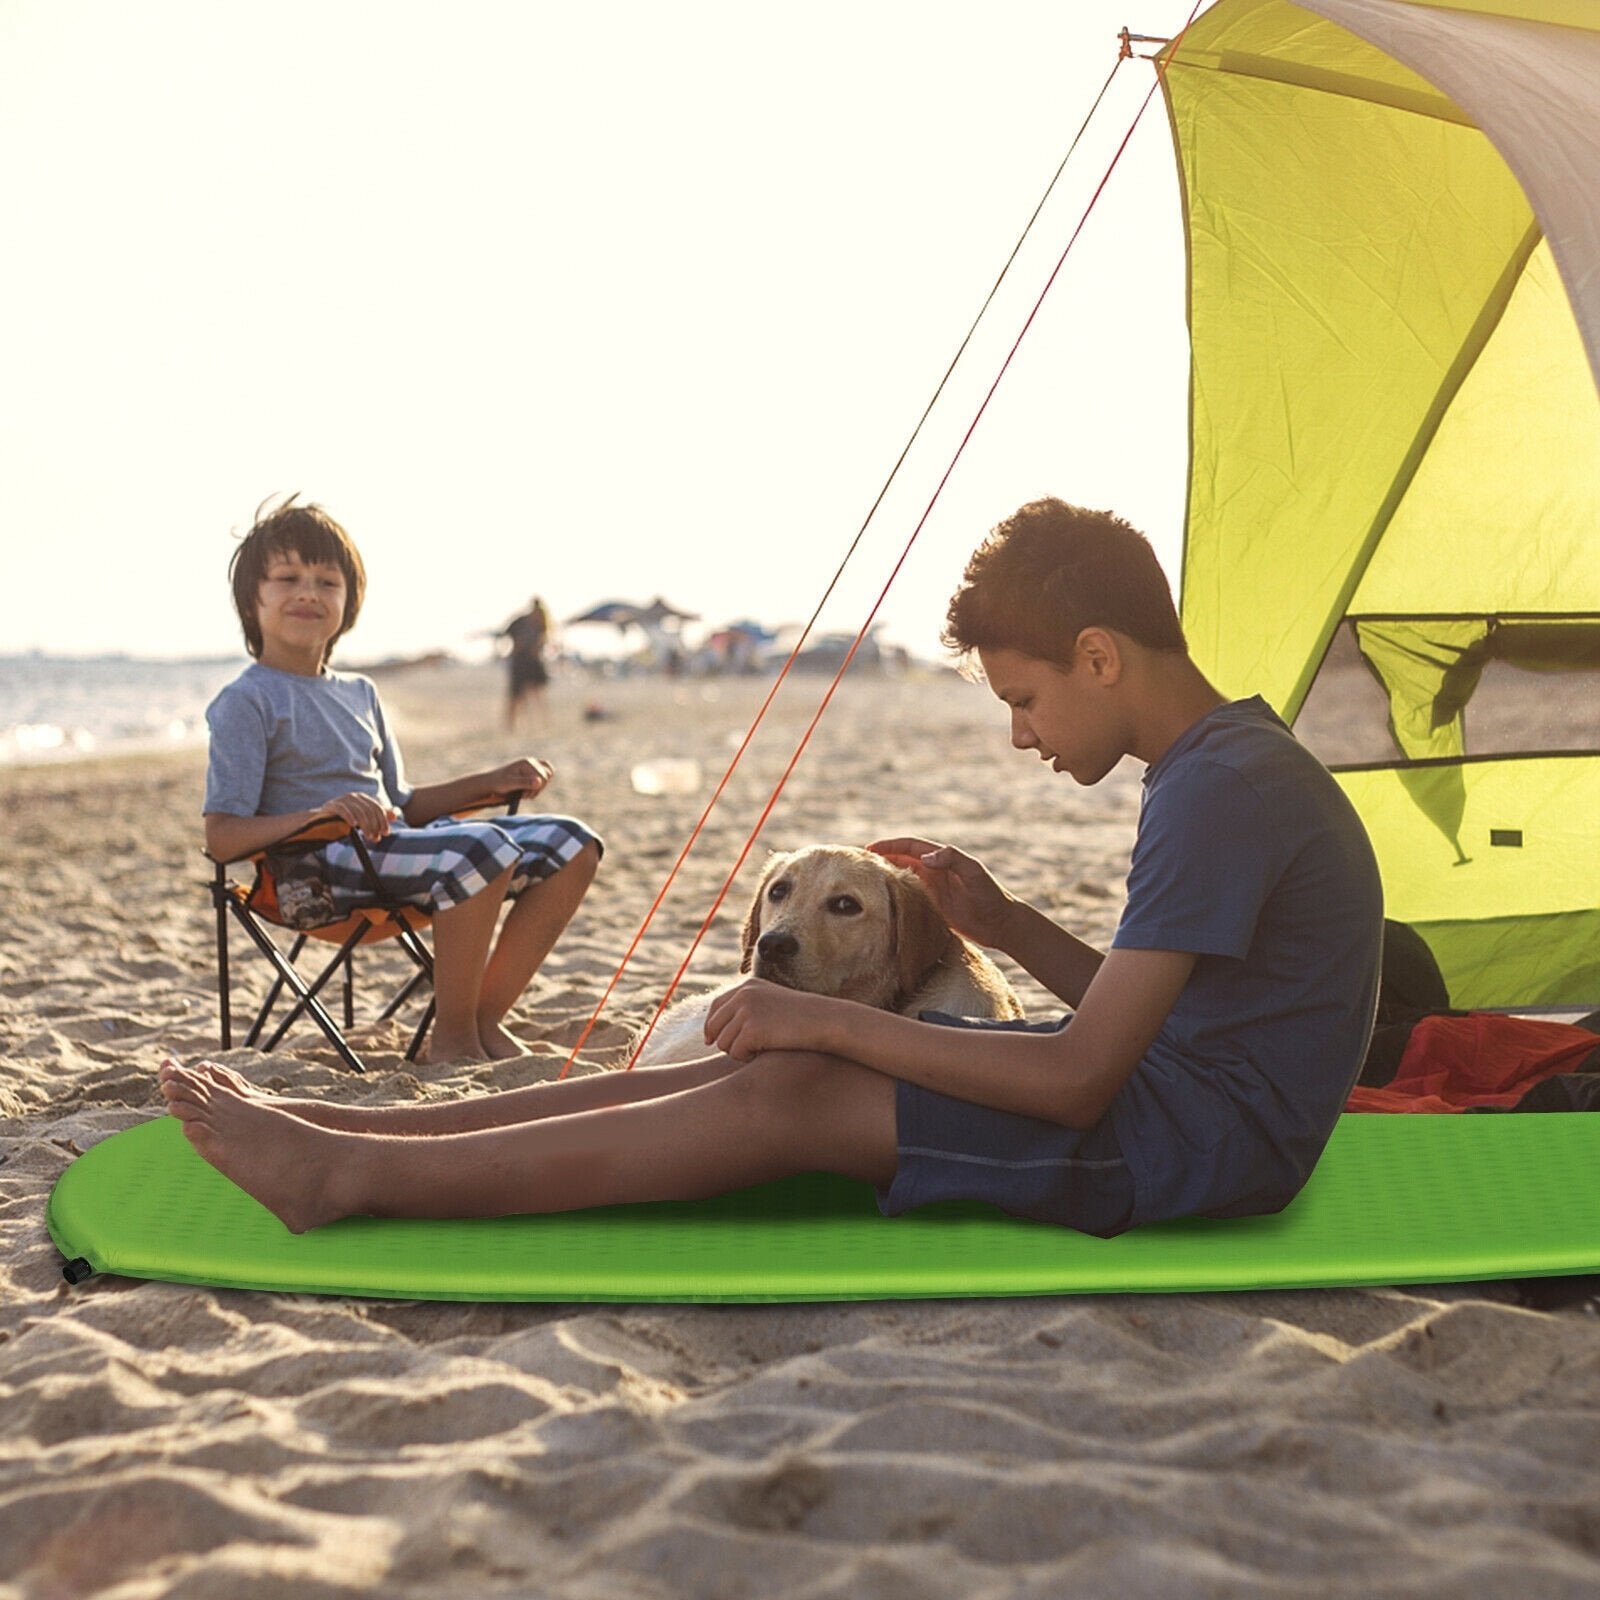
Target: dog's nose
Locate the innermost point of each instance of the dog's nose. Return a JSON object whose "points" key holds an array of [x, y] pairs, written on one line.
{"points": [[775, 946]]}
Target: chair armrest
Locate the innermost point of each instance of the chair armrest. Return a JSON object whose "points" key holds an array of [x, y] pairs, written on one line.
{"points": [[324, 829], [507, 802], [319, 831]]}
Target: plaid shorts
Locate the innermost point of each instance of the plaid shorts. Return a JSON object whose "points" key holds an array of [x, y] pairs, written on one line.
{"points": [[448, 861]]}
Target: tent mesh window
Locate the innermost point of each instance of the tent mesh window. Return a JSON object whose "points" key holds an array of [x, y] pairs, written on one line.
{"points": [[1396, 689], [1471, 747]]}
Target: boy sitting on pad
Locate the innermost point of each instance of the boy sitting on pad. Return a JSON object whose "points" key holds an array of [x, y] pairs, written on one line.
{"points": [[1203, 1068], [293, 742]]}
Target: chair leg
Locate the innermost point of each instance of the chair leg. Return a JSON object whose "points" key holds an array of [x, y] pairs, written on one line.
{"points": [[415, 1048], [308, 1000], [315, 988], [273, 993], [413, 946], [219, 897], [402, 994]]}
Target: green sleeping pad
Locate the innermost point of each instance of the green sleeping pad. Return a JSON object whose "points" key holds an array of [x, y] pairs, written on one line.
{"points": [[1396, 1199]]}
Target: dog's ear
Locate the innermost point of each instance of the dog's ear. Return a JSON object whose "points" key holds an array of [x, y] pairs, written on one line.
{"points": [[922, 936], [752, 921]]}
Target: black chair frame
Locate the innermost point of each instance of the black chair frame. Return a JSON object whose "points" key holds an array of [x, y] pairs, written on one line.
{"points": [[378, 921], [394, 921]]}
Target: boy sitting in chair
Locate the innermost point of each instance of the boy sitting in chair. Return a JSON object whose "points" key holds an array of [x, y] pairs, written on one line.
{"points": [[292, 741], [1204, 1067]]}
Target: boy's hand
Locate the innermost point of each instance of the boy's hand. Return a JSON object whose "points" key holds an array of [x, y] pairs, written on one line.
{"points": [[962, 887], [527, 776], [360, 811], [758, 1015]]}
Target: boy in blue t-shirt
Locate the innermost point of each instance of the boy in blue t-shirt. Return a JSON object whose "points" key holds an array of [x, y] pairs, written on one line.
{"points": [[293, 741], [1203, 1068]]}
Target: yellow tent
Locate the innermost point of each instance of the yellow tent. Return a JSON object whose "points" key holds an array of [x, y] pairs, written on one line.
{"points": [[1393, 224]]}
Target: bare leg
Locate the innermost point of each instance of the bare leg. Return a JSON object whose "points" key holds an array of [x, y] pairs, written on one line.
{"points": [[504, 1110], [531, 929], [461, 939], [785, 1113]]}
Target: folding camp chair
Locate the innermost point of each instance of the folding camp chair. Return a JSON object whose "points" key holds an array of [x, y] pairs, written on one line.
{"points": [[286, 894]]}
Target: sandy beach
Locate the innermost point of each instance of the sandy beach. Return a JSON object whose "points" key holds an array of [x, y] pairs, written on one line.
{"points": [[161, 1440]]}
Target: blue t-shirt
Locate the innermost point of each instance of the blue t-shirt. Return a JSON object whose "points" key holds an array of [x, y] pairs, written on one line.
{"points": [[282, 742], [1249, 855]]}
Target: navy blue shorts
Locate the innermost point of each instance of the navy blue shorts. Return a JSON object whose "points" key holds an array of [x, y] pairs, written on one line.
{"points": [[951, 1149]]}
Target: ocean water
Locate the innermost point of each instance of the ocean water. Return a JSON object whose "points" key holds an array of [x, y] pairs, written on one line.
{"points": [[61, 708]]}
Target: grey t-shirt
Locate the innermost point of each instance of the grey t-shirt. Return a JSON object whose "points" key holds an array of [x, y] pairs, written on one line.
{"points": [[282, 742], [1250, 856]]}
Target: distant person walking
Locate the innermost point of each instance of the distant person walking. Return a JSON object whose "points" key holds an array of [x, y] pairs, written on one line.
{"points": [[528, 675]]}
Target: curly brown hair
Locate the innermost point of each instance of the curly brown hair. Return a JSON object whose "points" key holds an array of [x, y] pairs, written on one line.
{"points": [[306, 531], [1051, 570]]}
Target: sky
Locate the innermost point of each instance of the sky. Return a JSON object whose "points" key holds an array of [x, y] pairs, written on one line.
{"points": [[599, 301]]}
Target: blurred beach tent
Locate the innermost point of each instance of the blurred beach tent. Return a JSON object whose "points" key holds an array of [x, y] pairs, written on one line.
{"points": [[1392, 214], [828, 652], [739, 646], [756, 632]]}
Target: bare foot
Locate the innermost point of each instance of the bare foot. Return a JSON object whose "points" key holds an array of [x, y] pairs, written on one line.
{"points": [[299, 1172], [499, 1045], [215, 1072], [323, 1113], [446, 1050]]}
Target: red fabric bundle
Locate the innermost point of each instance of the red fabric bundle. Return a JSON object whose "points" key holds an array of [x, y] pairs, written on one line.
{"points": [[1480, 1059]]}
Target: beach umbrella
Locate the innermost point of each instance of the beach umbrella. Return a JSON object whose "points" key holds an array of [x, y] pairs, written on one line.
{"points": [[659, 613], [625, 614], [1392, 216], [621, 612]]}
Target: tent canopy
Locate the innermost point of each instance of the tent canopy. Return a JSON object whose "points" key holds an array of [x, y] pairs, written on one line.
{"points": [[1393, 225]]}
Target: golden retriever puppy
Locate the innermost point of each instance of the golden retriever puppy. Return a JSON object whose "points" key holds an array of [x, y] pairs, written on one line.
{"points": [[839, 921]]}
